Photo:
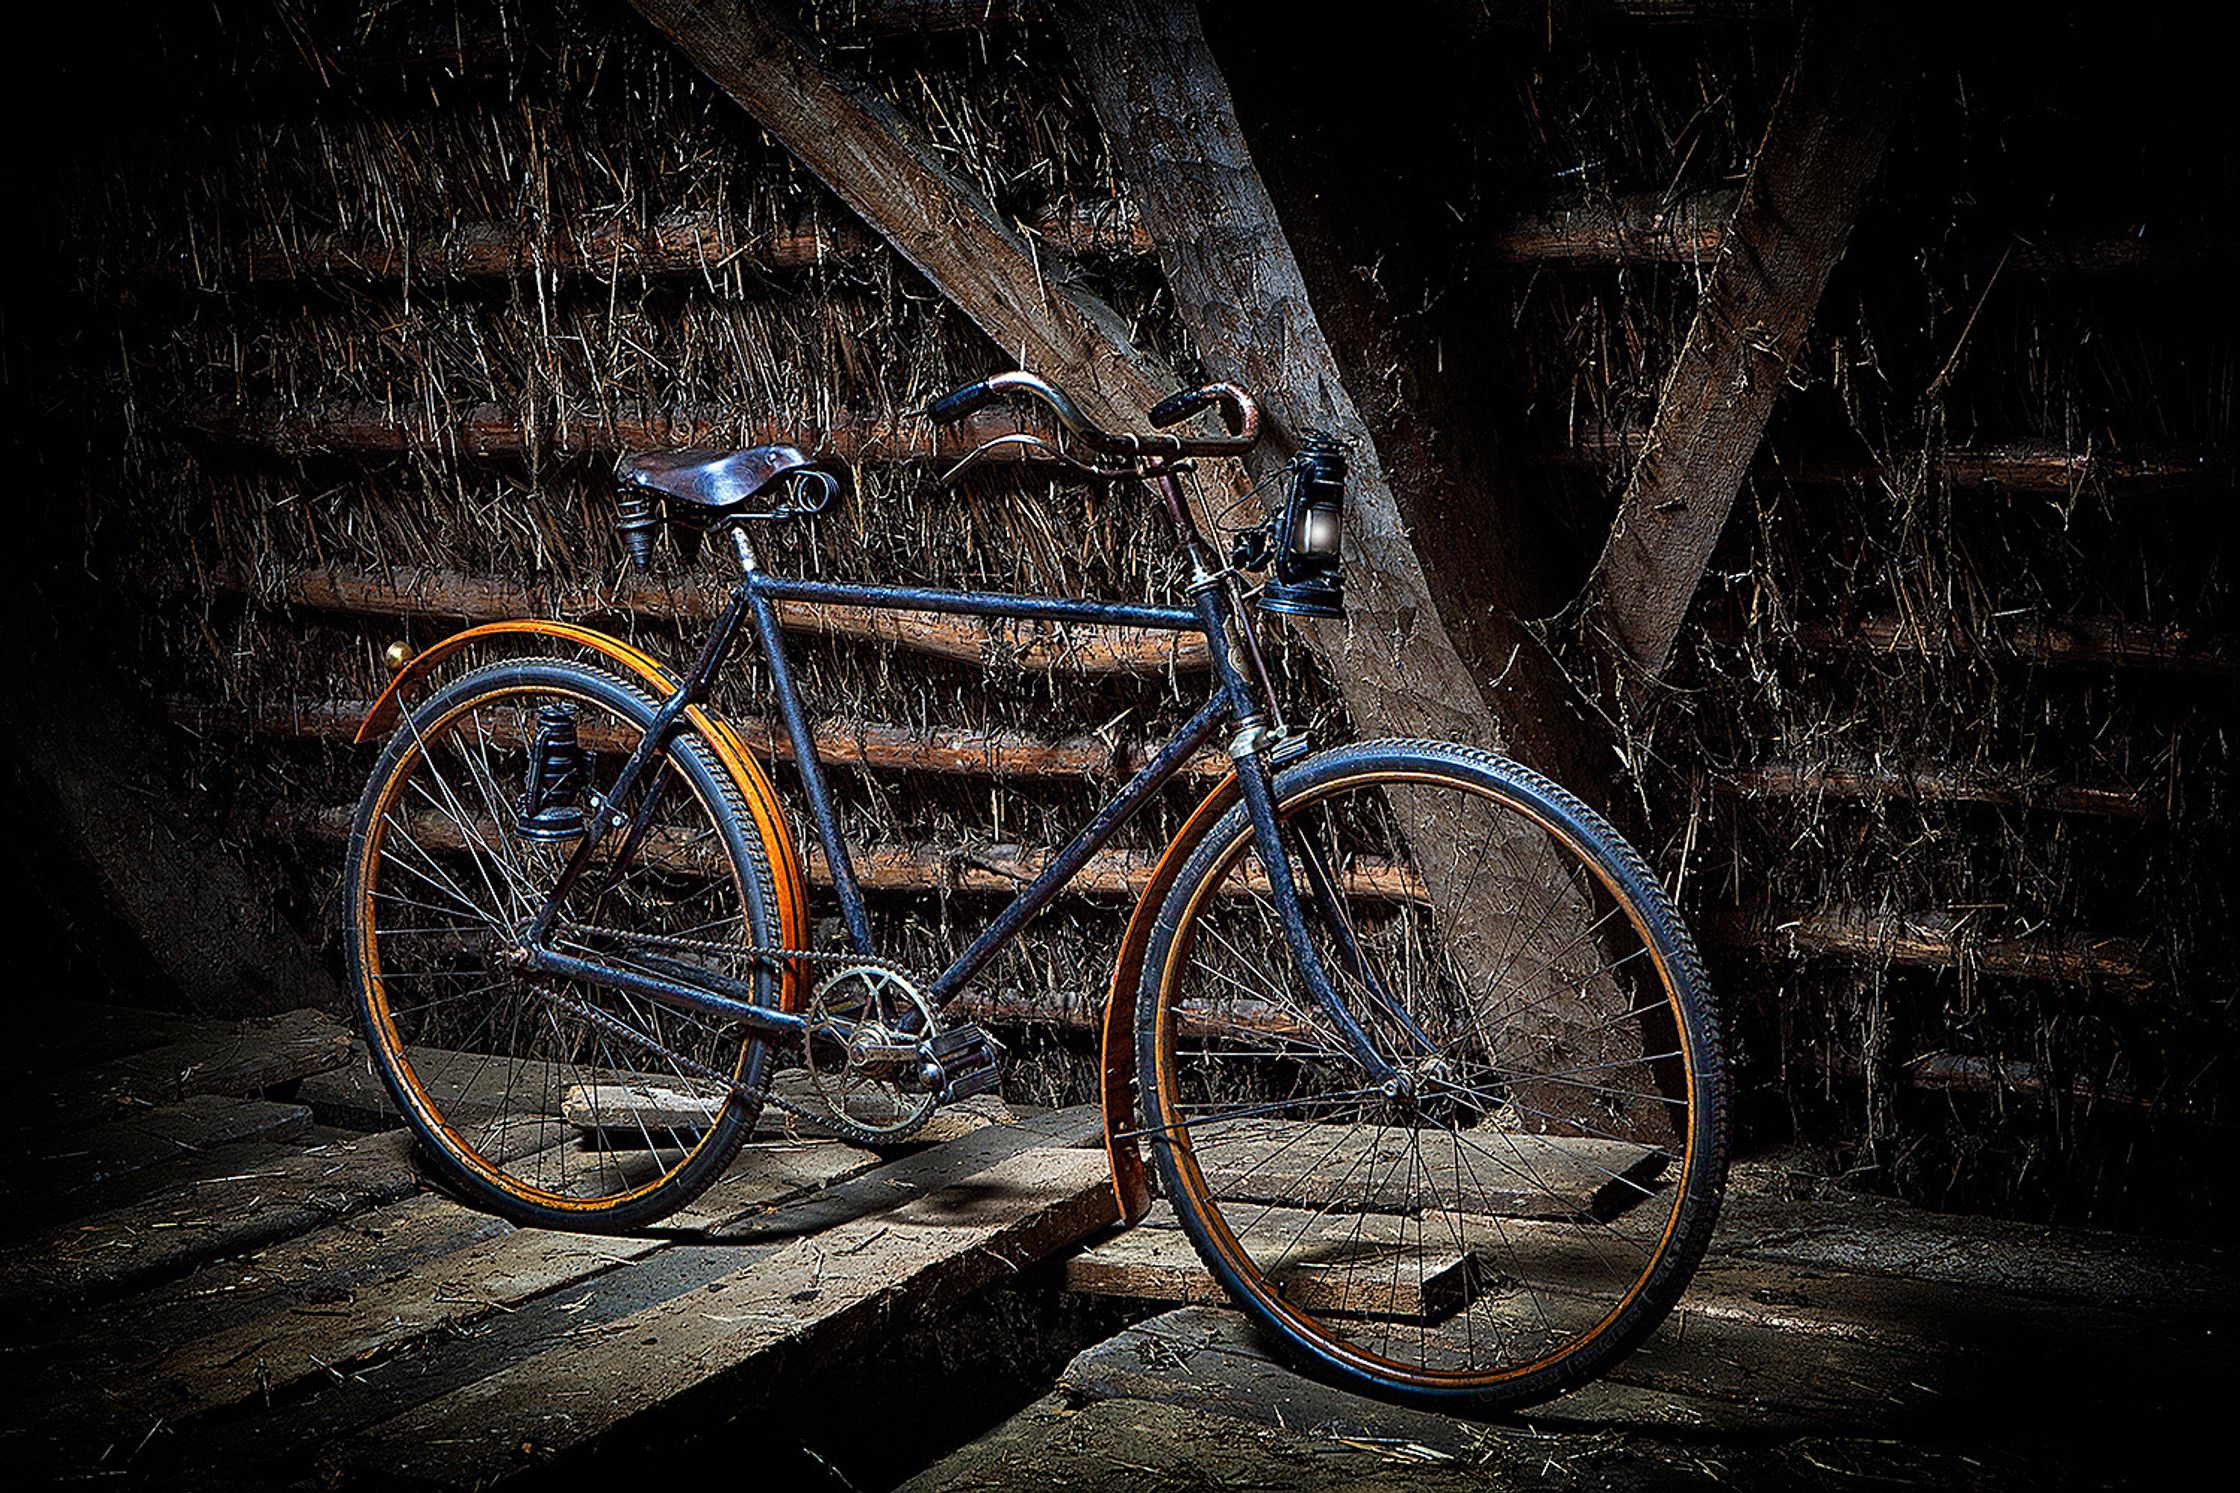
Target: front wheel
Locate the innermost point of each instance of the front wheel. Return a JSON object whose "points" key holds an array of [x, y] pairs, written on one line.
{"points": [[1525, 1198]]}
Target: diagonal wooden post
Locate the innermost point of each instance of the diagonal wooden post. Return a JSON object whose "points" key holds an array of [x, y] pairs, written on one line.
{"points": [[1166, 109], [1396, 664], [1820, 151]]}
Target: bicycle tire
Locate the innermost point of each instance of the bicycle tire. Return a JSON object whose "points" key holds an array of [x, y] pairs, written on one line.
{"points": [[529, 1107], [1556, 1199]]}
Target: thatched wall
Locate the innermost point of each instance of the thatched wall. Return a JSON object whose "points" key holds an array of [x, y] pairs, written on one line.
{"points": [[364, 299]]}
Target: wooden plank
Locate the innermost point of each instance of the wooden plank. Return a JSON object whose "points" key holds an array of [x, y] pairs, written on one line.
{"points": [[49, 1167], [1363, 1168], [2051, 642], [235, 1061], [416, 1294], [52, 1035], [279, 1443], [1820, 152], [1324, 1264], [805, 1305], [231, 1200]]}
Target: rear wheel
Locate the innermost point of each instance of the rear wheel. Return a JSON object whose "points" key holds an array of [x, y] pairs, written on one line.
{"points": [[1527, 1199], [555, 1102]]}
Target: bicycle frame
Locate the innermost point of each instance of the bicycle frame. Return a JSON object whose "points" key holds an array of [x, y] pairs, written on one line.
{"points": [[1240, 684]]}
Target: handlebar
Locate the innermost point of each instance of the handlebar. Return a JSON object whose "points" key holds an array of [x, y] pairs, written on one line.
{"points": [[1240, 413]]}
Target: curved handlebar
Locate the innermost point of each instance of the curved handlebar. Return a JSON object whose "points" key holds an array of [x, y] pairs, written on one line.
{"points": [[1240, 412]]}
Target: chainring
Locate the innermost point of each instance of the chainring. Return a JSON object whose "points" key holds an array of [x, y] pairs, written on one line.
{"points": [[860, 1065]]}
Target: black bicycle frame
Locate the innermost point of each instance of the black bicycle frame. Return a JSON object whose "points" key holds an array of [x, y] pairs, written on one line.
{"points": [[1234, 701]]}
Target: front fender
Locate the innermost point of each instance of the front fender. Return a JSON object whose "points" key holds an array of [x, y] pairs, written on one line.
{"points": [[745, 772], [1121, 1144]]}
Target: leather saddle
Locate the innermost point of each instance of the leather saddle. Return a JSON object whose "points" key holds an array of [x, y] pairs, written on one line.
{"points": [[720, 482]]}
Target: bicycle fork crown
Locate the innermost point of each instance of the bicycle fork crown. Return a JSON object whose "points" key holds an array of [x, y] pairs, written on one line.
{"points": [[552, 806]]}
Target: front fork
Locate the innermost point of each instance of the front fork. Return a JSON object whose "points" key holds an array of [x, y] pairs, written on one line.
{"points": [[1255, 781]]}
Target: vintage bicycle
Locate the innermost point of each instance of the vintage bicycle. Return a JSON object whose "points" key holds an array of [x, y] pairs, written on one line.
{"points": [[1425, 1064]]}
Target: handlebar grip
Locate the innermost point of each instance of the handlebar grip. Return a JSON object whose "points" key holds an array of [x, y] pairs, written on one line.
{"points": [[1238, 411], [1180, 406], [959, 403]]}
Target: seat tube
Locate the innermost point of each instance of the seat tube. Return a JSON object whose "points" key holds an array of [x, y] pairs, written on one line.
{"points": [[1257, 785], [829, 839]]}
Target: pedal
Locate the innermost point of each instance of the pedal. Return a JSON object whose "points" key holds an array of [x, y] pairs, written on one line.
{"points": [[966, 1057]]}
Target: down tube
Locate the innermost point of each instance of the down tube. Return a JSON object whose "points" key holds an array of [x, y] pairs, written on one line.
{"points": [[1194, 734]]}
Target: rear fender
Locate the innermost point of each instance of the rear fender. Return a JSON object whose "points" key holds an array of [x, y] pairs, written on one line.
{"points": [[745, 772], [1129, 1183]]}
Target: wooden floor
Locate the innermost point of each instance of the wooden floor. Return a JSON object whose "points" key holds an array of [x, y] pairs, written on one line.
{"points": [[222, 1268], [1847, 1343]]}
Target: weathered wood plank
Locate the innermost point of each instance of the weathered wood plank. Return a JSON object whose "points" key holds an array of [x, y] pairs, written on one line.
{"points": [[1942, 940], [1940, 784], [279, 1443], [1820, 152], [48, 1168], [804, 1305], [419, 1289], [233, 1199], [234, 1061], [1325, 1265], [53, 1035]]}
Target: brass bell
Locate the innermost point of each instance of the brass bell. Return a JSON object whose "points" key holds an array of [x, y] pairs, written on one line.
{"points": [[396, 656]]}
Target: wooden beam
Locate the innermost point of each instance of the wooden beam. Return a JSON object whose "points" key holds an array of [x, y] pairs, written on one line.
{"points": [[1946, 940], [2049, 642], [2035, 467], [906, 869], [1635, 228], [1174, 133], [1819, 153], [934, 749], [876, 162], [443, 595], [1939, 784], [493, 431]]}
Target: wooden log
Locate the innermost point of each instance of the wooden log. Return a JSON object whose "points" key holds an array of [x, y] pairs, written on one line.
{"points": [[451, 595], [2015, 467], [805, 1305], [494, 431], [1938, 784], [233, 1061], [1820, 152], [1365, 1265], [1951, 941], [995, 869], [1001, 754], [1636, 228], [1167, 113], [2054, 643]]}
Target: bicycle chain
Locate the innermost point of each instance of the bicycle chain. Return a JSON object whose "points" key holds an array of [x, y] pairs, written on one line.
{"points": [[838, 1125]]}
